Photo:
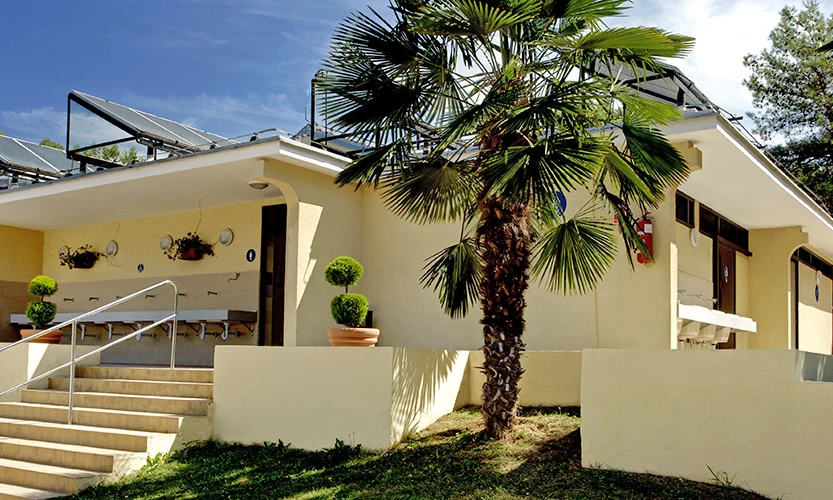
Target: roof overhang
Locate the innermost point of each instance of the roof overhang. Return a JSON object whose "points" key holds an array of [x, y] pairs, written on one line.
{"points": [[208, 179], [742, 184]]}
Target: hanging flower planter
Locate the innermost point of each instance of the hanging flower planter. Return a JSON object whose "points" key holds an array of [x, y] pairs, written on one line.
{"points": [[189, 247], [80, 258]]}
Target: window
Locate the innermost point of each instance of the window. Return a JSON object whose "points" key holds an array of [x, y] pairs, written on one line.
{"points": [[812, 260], [685, 209], [713, 225]]}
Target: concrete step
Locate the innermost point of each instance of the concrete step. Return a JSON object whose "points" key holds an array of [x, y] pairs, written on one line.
{"points": [[46, 477], [113, 439], [199, 375], [68, 455], [12, 492], [94, 417], [129, 402], [137, 387]]}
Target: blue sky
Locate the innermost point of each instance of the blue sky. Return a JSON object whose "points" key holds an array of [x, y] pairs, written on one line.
{"points": [[228, 66], [236, 66]]}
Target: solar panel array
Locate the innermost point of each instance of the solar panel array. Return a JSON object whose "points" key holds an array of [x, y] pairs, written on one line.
{"points": [[27, 157], [668, 84], [141, 123]]}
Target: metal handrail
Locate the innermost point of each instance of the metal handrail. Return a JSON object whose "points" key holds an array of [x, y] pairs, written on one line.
{"points": [[74, 323]]}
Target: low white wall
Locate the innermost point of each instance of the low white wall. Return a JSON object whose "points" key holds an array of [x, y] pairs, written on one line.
{"points": [[25, 361], [676, 413], [311, 396]]}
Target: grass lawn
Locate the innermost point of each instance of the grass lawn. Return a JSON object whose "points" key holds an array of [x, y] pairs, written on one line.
{"points": [[450, 459]]}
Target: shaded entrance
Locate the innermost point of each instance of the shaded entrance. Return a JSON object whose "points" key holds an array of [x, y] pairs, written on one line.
{"points": [[272, 271]]}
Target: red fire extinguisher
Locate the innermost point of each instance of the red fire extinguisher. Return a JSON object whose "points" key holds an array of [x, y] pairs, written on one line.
{"points": [[645, 229]]}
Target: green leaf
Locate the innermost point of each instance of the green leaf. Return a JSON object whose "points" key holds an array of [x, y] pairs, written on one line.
{"points": [[455, 272], [537, 171], [475, 18], [573, 256], [432, 191]]}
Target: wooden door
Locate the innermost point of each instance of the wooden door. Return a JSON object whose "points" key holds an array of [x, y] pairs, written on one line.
{"points": [[272, 265], [725, 287]]}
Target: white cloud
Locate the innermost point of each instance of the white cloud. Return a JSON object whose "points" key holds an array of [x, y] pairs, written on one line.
{"points": [[726, 31], [35, 124]]}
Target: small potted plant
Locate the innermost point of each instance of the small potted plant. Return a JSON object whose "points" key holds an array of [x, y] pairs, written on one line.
{"points": [[81, 258], [349, 309], [41, 313], [189, 247]]}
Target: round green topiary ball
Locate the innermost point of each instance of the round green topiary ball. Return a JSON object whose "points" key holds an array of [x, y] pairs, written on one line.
{"points": [[43, 286], [41, 313], [349, 309], [344, 271]]}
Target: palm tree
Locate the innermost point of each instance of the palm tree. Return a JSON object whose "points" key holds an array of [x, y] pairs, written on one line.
{"points": [[483, 112]]}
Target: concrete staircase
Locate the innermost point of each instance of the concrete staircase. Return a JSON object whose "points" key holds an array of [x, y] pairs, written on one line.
{"points": [[122, 416]]}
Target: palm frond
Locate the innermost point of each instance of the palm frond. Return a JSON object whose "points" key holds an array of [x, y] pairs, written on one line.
{"points": [[474, 18], [658, 162], [591, 10], [649, 110], [573, 256], [455, 273], [536, 171], [371, 168], [432, 190], [627, 223]]}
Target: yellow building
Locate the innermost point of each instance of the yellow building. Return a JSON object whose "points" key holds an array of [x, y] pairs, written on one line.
{"points": [[742, 260], [738, 236]]}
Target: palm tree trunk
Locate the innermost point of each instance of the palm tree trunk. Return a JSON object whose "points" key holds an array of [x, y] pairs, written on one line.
{"points": [[505, 246]]}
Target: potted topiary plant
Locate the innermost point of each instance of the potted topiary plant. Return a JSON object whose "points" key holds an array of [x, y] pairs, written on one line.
{"points": [[41, 313], [81, 258], [349, 309]]}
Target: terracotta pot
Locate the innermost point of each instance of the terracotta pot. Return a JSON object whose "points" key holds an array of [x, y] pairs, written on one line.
{"points": [[354, 337], [49, 338]]}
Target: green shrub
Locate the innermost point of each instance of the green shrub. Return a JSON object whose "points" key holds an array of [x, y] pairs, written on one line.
{"points": [[349, 309], [43, 286], [344, 272], [41, 313]]}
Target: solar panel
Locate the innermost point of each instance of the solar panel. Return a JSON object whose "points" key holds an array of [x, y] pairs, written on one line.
{"points": [[142, 124], [668, 84], [27, 157]]}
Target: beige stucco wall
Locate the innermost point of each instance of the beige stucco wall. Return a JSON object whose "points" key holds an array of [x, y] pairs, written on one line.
{"points": [[311, 396], [21, 258], [637, 308], [395, 251], [815, 319], [770, 303], [25, 361], [696, 261], [21, 254], [551, 378], [323, 222], [741, 412], [742, 296], [138, 241]]}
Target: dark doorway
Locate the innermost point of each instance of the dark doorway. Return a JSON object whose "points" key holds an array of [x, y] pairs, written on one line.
{"points": [[272, 266], [725, 285]]}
